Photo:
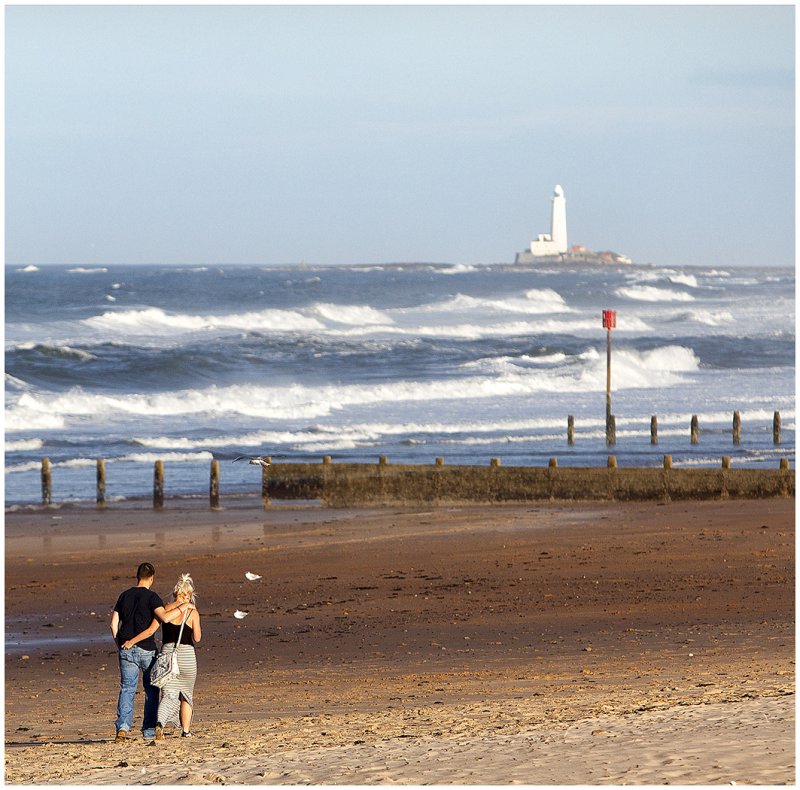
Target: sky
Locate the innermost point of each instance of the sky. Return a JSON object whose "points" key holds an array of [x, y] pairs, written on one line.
{"points": [[264, 134]]}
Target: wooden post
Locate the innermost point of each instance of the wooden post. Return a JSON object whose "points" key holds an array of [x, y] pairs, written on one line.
{"points": [[784, 463], [612, 461], [611, 430], [265, 500], [667, 462], [737, 428], [326, 477], [654, 430], [570, 430], [47, 483], [383, 460], [158, 485], [101, 483], [695, 430], [494, 462], [213, 487], [553, 463], [726, 465], [440, 461], [776, 428]]}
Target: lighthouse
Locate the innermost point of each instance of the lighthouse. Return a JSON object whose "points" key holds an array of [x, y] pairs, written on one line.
{"points": [[552, 247], [558, 220], [555, 242]]}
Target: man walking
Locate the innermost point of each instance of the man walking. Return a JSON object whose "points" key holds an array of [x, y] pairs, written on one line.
{"points": [[134, 612]]}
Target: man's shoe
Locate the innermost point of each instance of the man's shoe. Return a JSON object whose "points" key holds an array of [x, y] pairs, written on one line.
{"points": [[159, 732], [187, 734], [122, 736]]}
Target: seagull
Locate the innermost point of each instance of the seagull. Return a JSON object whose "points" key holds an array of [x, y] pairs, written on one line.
{"points": [[240, 615], [251, 577], [260, 460]]}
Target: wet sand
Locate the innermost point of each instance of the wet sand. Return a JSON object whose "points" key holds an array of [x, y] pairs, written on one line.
{"points": [[589, 643]]}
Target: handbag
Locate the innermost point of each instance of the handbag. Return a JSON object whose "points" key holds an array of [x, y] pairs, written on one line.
{"points": [[165, 667]]}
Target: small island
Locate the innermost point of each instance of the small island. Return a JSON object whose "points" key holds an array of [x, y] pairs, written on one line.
{"points": [[553, 247]]}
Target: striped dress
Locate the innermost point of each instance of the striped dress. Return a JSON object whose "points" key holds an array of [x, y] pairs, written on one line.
{"points": [[182, 686]]}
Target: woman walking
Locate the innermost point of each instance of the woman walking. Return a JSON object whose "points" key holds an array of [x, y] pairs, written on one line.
{"points": [[176, 705]]}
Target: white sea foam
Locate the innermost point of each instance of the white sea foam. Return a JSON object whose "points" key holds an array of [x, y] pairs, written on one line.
{"points": [[23, 445], [153, 320], [341, 437], [149, 458], [75, 463], [28, 466], [29, 268], [684, 279], [535, 301], [136, 458], [457, 268], [351, 314], [648, 293], [705, 317], [660, 368], [486, 328], [31, 413], [84, 270]]}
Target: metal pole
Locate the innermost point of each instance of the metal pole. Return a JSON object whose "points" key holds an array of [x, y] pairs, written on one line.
{"points": [[609, 322], [608, 380]]}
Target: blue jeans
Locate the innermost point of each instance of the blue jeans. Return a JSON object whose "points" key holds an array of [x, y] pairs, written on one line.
{"points": [[131, 662]]}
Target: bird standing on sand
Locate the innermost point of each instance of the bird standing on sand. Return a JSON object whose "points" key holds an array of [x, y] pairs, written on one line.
{"points": [[260, 460]]}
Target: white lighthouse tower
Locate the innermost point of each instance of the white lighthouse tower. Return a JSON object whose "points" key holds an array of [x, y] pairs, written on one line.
{"points": [[555, 242], [558, 220]]}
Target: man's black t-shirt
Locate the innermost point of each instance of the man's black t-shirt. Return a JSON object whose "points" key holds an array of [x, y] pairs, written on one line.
{"points": [[136, 608]]}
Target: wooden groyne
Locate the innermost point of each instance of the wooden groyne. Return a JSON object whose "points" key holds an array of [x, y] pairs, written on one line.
{"points": [[382, 483], [349, 485], [353, 484]]}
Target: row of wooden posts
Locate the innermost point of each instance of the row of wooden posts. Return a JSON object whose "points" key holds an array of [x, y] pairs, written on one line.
{"points": [[158, 473], [694, 429]]}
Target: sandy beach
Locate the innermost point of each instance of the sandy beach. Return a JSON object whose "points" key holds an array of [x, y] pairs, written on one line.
{"points": [[586, 643]]}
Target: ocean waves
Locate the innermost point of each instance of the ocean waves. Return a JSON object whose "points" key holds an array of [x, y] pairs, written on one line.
{"points": [[406, 361], [486, 378], [649, 293]]}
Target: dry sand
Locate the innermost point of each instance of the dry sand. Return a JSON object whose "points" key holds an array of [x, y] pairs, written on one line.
{"points": [[581, 644]]}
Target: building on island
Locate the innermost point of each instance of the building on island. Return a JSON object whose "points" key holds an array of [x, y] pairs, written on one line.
{"points": [[553, 247]]}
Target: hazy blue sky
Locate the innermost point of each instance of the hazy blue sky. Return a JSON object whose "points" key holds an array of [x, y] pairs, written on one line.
{"points": [[353, 134]]}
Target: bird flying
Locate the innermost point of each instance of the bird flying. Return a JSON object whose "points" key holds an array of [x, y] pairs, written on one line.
{"points": [[260, 460]]}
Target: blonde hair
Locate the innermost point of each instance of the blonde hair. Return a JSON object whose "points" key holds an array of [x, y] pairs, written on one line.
{"points": [[185, 586]]}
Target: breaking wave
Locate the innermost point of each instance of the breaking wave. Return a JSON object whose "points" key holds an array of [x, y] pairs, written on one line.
{"points": [[659, 367], [649, 293]]}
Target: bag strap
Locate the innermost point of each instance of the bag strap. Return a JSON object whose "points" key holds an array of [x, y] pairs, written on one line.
{"points": [[180, 633]]}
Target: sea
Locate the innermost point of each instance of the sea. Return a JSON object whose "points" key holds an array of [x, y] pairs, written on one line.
{"points": [[134, 364]]}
